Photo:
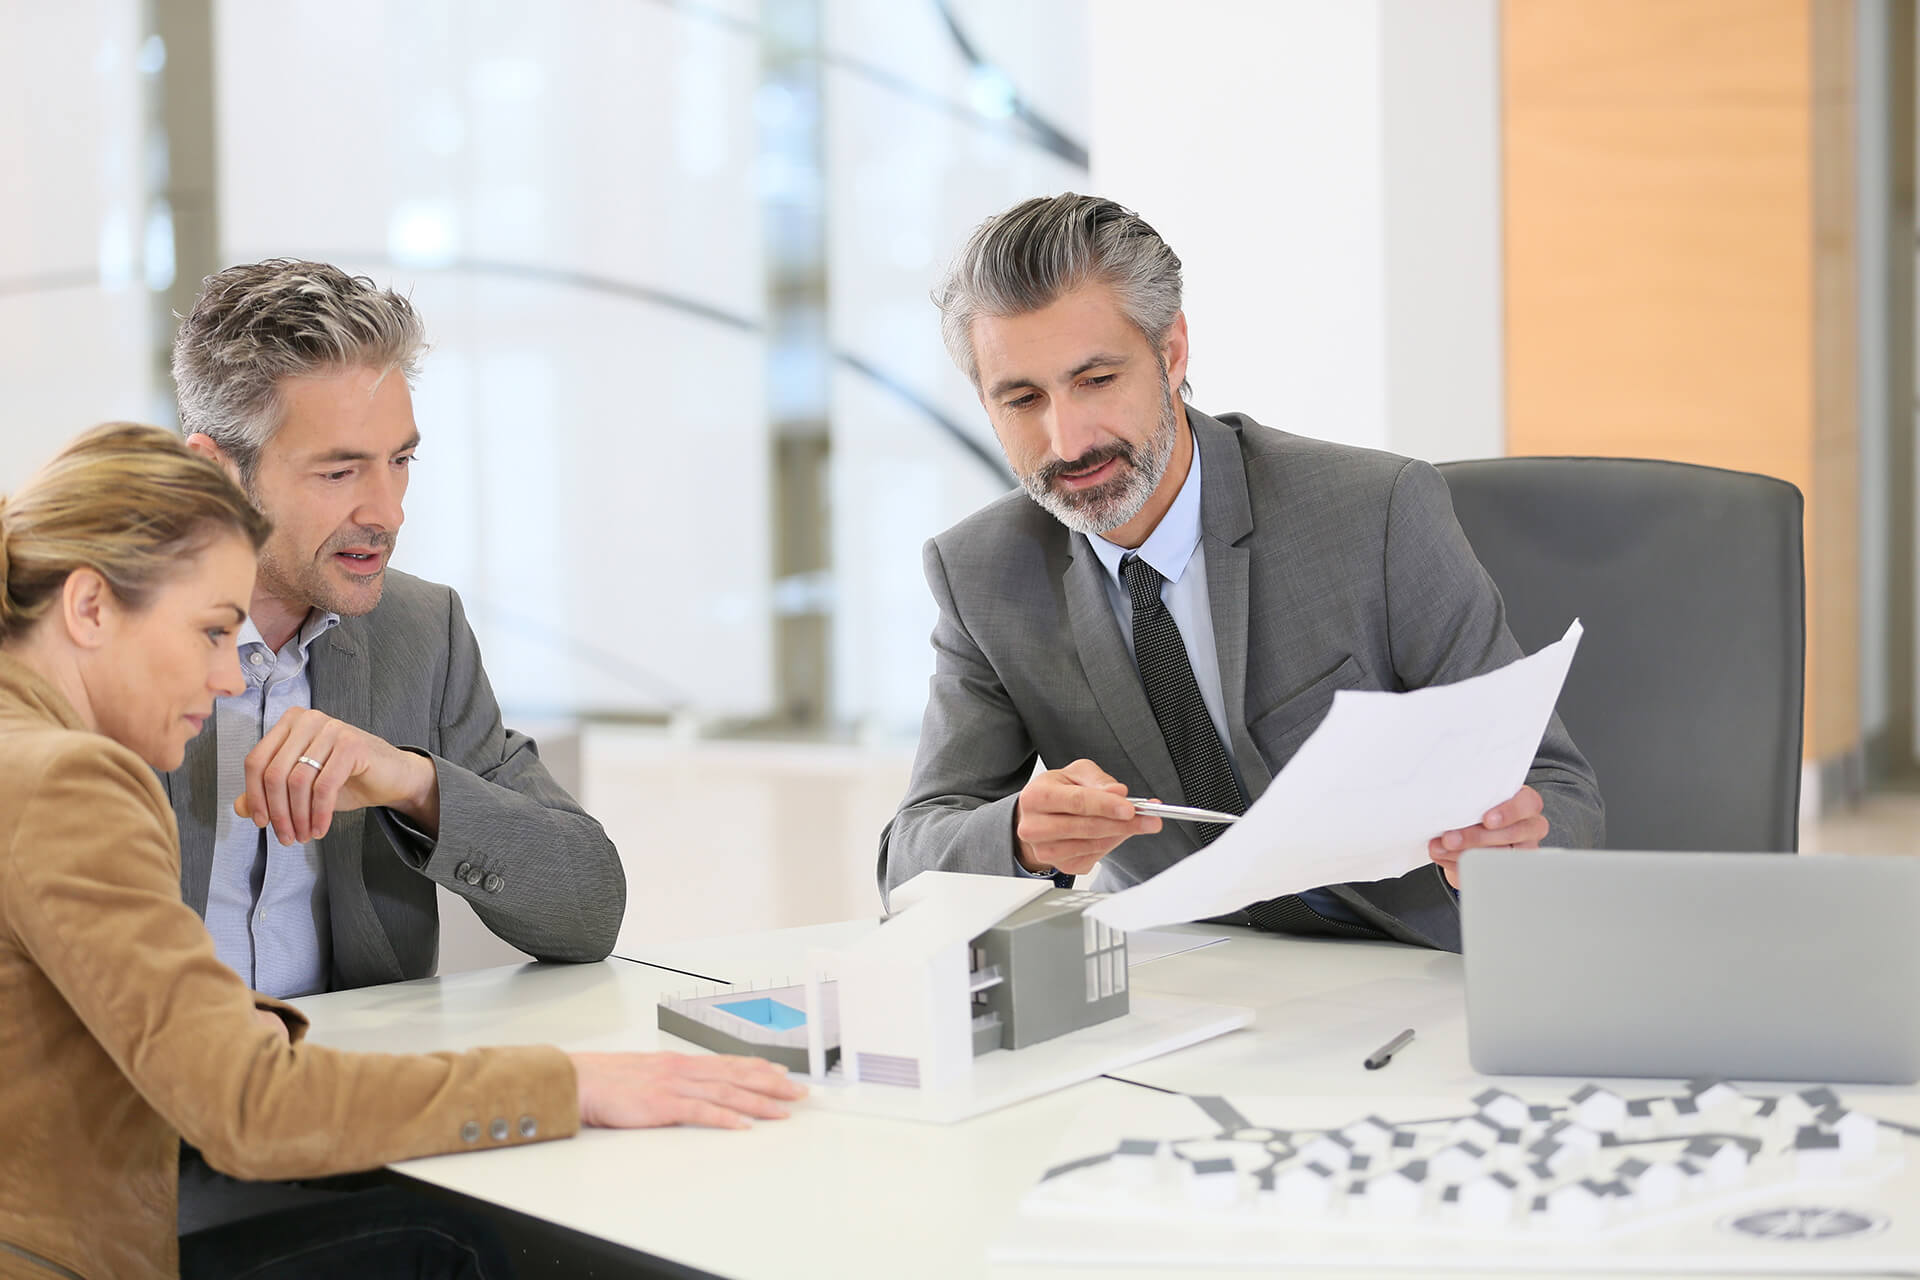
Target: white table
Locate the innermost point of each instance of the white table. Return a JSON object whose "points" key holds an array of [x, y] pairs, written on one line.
{"points": [[828, 1193]]}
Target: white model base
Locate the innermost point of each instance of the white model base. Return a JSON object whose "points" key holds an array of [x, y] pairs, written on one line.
{"points": [[1155, 1025], [1132, 1186]]}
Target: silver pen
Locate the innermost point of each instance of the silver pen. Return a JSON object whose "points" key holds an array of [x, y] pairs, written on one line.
{"points": [[1179, 812]]}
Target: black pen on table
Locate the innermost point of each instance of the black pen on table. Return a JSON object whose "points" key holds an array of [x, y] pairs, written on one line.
{"points": [[1384, 1054]]}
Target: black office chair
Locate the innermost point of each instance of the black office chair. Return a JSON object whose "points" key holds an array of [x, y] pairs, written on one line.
{"points": [[1686, 692]]}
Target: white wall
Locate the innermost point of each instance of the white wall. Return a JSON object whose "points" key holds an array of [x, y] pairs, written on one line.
{"points": [[74, 323], [1446, 368], [1328, 174]]}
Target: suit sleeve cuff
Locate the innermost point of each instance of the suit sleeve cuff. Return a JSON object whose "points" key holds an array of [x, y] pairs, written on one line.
{"points": [[296, 1021], [415, 847]]}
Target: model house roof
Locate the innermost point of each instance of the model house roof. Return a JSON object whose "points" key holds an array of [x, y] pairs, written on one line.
{"points": [[948, 908]]}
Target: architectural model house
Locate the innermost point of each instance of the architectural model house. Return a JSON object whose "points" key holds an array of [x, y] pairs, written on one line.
{"points": [[1371, 1136], [1503, 1108], [1305, 1188], [1723, 1159], [967, 965], [1329, 1150], [1817, 1153], [1480, 1130], [1396, 1196], [1712, 1096], [1600, 1110], [1572, 1134], [1859, 1133], [1458, 1162], [1488, 1198], [1212, 1182]]}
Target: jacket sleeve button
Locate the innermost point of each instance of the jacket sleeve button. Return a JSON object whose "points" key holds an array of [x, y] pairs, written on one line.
{"points": [[499, 1129], [494, 884], [527, 1127], [470, 1131]]}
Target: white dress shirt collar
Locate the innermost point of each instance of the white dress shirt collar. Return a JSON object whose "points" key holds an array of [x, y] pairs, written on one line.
{"points": [[1169, 548], [318, 623]]}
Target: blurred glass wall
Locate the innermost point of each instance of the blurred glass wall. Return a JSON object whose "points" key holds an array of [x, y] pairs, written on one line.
{"points": [[645, 238]]}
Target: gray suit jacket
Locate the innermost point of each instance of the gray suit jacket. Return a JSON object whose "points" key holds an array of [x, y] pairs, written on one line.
{"points": [[1328, 568], [410, 673]]}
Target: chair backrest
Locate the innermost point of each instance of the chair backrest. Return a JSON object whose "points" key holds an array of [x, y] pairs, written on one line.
{"points": [[1686, 692]]}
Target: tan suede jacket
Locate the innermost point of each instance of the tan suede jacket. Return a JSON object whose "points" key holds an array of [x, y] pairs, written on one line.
{"points": [[121, 1033]]}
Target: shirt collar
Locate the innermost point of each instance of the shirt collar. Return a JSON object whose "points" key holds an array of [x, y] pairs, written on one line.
{"points": [[1169, 548], [317, 624]]}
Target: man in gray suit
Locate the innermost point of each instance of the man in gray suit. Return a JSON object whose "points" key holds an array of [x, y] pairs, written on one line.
{"points": [[1171, 604], [366, 762], [367, 754]]}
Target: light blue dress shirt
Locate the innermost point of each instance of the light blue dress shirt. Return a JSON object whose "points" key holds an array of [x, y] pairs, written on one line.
{"points": [[266, 902], [1174, 551]]}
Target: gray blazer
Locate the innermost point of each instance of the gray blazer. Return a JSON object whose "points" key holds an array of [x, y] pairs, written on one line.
{"points": [[1328, 567], [549, 880]]}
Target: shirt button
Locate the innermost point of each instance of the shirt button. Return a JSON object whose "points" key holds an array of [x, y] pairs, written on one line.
{"points": [[527, 1127], [472, 876], [494, 884], [460, 872], [470, 1131], [499, 1129], [256, 659]]}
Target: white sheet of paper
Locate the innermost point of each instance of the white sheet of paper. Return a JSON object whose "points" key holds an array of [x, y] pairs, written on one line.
{"points": [[1147, 945], [1382, 775]]}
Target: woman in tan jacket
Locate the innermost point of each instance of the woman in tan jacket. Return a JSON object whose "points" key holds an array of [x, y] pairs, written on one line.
{"points": [[125, 569]]}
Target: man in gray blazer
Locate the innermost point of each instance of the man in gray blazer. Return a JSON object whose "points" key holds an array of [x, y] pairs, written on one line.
{"points": [[368, 753], [1170, 605], [366, 762]]}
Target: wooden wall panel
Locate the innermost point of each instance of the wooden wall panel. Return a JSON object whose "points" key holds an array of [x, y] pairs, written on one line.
{"points": [[1678, 200]]}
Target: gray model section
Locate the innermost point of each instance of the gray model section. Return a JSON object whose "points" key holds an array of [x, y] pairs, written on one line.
{"points": [[1059, 970]]}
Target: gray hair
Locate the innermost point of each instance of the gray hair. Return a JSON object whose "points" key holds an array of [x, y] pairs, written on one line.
{"points": [[1027, 257], [256, 325]]}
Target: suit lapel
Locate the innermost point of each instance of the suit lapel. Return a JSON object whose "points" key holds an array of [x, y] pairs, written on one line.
{"points": [[362, 952], [194, 790], [1226, 519], [1115, 680]]}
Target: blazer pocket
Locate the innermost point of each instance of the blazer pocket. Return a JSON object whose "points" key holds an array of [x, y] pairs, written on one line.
{"points": [[1278, 732]]}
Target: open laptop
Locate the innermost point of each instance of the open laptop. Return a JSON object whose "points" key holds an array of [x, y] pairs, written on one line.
{"points": [[1734, 965]]}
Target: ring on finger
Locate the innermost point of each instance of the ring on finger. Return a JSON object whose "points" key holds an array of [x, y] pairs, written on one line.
{"points": [[309, 760]]}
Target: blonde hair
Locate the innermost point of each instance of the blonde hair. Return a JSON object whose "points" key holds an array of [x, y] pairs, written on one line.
{"points": [[258, 324], [127, 501]]}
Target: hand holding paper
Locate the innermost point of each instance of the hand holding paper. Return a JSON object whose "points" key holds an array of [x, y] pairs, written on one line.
{"points": [[1362, 798], [1517, 823]]}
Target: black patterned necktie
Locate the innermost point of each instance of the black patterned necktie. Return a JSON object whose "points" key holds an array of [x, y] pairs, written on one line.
{"points": [[1206, 772]]}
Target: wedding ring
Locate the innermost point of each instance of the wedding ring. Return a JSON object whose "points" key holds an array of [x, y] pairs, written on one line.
{"points": [[310, 760]]}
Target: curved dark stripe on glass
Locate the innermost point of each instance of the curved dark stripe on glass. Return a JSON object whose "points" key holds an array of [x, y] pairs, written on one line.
{"points": [[966, 440], [1049, 134], [585, 282], [589, 283], [1042, 131]]}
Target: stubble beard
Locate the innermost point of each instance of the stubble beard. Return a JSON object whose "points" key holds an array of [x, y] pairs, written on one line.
{"points": [[309, 582], [1107, 506]]}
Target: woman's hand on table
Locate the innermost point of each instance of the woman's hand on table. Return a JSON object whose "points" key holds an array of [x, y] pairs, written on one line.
{"points": [[647, 1090]]}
